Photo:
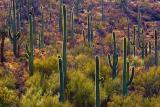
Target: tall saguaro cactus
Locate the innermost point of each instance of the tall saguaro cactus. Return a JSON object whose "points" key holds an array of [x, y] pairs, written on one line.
{"points": [[30, 47], [41, 41], [113, 64], [128, 44], [97, 81], [61, 98], [102, 10], [72, 25], [3, 35], [60, 15], [126, 80], [156, 48], [89, 28], [139, 24], [133, 43], [142, 45], [13, 33], [64, 41], [77, 2]]}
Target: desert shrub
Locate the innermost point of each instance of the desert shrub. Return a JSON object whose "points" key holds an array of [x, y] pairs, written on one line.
{"points": [[148, 62], [81, 50], [8, 97], [49, 101], [38, 86], [108, 40], [47, 65], [148, 83], [137, 61], [133, 100], [81, 90], [7, 79], [113, 86]]}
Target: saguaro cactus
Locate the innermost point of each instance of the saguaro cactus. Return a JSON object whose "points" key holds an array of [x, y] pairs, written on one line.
{"points": [[64, 42], [142, 45], [72, 25], [61, 98], [115, 58], [139, 24], [150, 48], [60, 16], [13, 34], [156, 48], [84, 37], [41, 41], [3, 35], [77, 2], [126, 80], [133, 43], [146, 50], [128, 44], [30, 47], [89, 28], [97, 79], [102, 10]]}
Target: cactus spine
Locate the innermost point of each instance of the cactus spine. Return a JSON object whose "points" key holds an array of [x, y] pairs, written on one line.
{"points": [[29, 47], [126, 80], [61, 98], [115, 58], [13, 34], [156, 48], [64, 42], [97, 79]]}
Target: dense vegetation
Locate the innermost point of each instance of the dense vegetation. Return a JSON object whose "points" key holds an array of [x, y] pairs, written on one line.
{"points": [[83, 66]]}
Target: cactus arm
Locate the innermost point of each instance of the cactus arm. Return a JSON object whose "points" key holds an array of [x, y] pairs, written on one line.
{"points": [[27, 55], [110, 62], [132, 43], [18, 35], [27, 49], [10, 35], [116, 63], [140, 45], [131, 78], [150, 48]]}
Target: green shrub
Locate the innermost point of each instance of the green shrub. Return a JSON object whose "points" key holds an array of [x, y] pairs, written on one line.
{"points": [[81, 50], [148, 83], [133, 100], [38, 86], [8, 97], [46, 65], [81, 90], [49, 101]]}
